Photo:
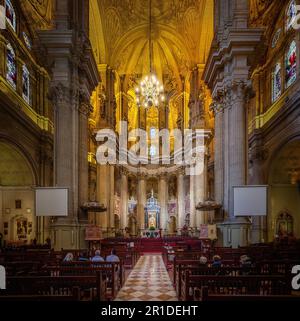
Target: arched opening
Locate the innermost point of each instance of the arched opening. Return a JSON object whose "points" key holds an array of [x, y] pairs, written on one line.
{"points": [[284, 196], [17, 220]]}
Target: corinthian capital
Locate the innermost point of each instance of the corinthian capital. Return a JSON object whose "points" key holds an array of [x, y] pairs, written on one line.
{"points": [[218, 102], [58, 94]]}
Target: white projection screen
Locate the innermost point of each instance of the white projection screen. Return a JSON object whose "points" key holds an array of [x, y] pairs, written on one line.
{"points": [[51, 201], [250, 200]]}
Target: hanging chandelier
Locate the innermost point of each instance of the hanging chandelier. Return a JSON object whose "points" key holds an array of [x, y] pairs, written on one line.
{"points": [[150, 92]]}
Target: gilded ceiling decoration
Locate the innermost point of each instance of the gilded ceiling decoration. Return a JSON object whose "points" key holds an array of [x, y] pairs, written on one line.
{"points": [[39, 12], [263, 12], [182, 33]]}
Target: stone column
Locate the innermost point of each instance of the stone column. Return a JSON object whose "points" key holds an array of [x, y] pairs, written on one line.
{"points": [[84, 111], [199, 191], [102, 219], [124, 198], [232, 55], [235, 229], [74, 76], [142, 200], [218, 110], [163, 200], [180, 199], [193, 223], [226, 154], [65, 229], [111, 212], [237, 143]]}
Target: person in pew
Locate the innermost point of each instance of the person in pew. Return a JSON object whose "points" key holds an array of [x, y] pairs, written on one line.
{"points": [[245, 261], [113, 257], [246, 264], [69, 257], [83, 257], [217, 261], [97, 257], [203, 261]]}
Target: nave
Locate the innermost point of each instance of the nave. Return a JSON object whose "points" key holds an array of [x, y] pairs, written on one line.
{"points": [[148, 281]]}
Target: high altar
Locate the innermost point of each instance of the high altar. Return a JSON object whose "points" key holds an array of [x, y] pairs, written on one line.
{"points": [[152, 219]]}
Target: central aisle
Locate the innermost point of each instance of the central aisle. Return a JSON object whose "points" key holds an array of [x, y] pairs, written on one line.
{"points": [[148, 281]]}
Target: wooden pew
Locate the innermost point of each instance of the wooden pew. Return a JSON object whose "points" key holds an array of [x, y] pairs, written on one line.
{"points": [[204, 296], [179, 266], [57, 286], [231, 285], [113, 272]]}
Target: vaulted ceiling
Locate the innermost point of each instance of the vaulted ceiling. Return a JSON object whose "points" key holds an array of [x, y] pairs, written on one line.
{"points": [[182, 32]]}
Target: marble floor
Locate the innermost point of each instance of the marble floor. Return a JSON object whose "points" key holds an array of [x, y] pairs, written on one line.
{"points": [[148, 281]]}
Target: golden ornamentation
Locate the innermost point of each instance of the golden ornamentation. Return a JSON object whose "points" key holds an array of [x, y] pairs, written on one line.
{"points": [[39, 12]]}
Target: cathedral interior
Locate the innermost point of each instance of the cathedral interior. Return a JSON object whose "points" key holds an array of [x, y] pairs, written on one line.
{"points": [[149, 150], [68, 70], [152, 129]]}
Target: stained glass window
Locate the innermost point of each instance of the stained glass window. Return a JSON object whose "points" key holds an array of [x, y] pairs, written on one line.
{"points": [[26, 84], [27, 40], [291, 14], [291, 64], [276, 82], [11, 75], [10, 14]]}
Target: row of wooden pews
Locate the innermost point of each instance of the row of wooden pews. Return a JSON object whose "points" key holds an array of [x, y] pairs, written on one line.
{"points": [[42, 275], [268, 275]]}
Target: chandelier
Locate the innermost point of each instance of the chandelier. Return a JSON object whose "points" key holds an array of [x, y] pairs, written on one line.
{"points": [[150, 92]]}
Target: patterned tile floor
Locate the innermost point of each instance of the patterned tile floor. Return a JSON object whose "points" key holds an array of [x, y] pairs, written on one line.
{"points": [[148, 281]]}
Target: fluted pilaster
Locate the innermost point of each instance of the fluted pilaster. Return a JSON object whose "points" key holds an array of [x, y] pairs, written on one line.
{"points": [[124, 198], [163, 200], [142, 200], [181, 198]]}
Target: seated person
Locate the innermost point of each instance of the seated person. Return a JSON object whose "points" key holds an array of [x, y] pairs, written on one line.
{"points": [[245, 261], [83, 257], [113, 257], [203, 260], [246, 264], [217, 262], [97, 257], [69, 257]]}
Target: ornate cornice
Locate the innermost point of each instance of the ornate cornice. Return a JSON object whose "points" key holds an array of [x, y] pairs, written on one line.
{"points": [[238, 43]]}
